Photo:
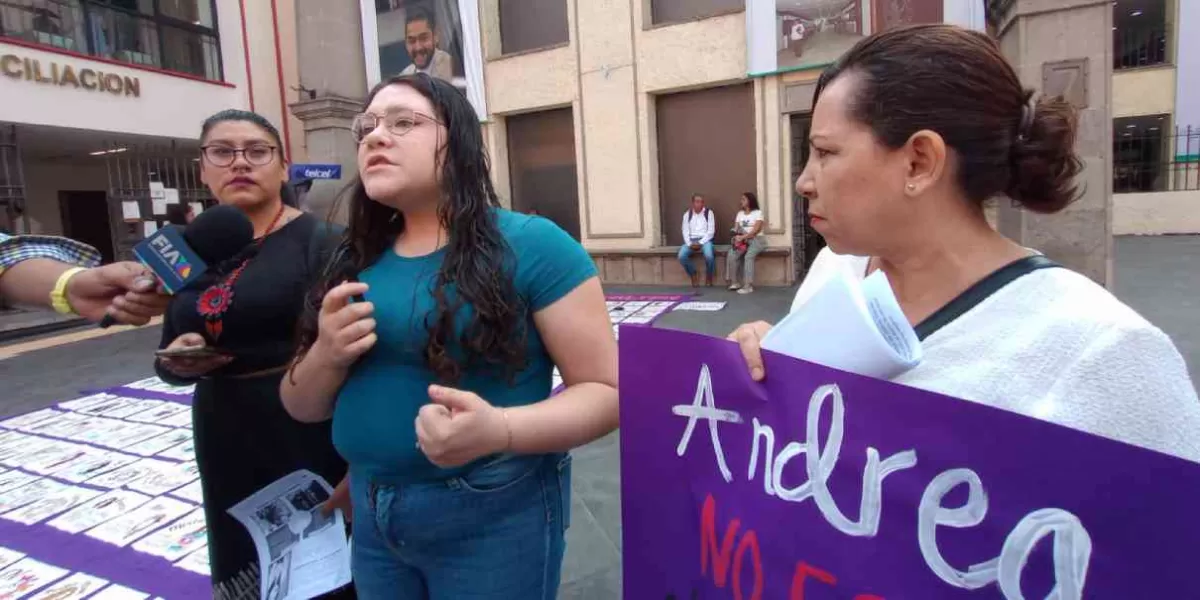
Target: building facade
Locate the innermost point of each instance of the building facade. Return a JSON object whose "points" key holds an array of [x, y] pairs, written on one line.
{"points": [[103, 102], [1156, 116]]}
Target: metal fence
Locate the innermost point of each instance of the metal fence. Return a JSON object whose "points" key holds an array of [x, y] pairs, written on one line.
{"points": [[115, 34], [1156, 160], [1140, 47]]}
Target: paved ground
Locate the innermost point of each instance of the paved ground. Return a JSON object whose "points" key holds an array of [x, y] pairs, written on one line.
{"points": [[1160, 277]]}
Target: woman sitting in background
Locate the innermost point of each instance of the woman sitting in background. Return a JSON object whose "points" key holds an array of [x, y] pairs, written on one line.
{"points": [[913, 130], [747, 243]]}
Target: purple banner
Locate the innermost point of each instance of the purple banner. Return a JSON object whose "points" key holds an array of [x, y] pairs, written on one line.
{"points": [[819, 484]]}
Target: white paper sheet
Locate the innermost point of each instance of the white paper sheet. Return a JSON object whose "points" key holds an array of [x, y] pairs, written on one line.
{"points": [[303, 554], [94, 463], [197, 208], [161, 442], [26, 576], [75, 587], [184, 452], [98, 511], [168, 409], [30, 419], [85, 402], [158, 197], [48, 506], [118, 592], [852, 325], [162, 477], [196, 562], [130, 210], [178, 539], [8, 557], [192, 492], [700, 306], [13, 480], [149, 227], [29, 493], [132, 526]]}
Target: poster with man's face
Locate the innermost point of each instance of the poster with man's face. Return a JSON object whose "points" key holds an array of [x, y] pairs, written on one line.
{"points": [[437, 37]]}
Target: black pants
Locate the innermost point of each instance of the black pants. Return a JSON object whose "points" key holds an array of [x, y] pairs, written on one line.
{"points": [[245, 440]]}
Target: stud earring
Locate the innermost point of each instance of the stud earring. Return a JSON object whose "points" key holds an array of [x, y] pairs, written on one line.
{"points": [[912, 187]]}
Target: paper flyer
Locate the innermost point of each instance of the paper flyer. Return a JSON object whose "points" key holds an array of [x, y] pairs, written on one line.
{"points": [[303, 553], [51, 505], [26, 576], [160, 477], [32, 418], [118, 592], [11, 480], [59, 426], [92, 464], [85, 402], [161, 442], [192, 492], [178, 539], [75, 587], [8, 557], [50, 457], [127, 528], [182, 419], [154, 415], [111, 403], [15, 453], [98, 511], [196, 562], [132, 407], [28, 493], [184, 452], [123, 476], [135, 433]]}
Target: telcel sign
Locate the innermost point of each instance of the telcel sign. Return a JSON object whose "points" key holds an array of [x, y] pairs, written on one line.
{"points": [[316, 172]]}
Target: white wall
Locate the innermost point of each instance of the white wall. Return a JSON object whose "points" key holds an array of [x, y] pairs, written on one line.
{"points": [[168, 106], [1156, 213]]}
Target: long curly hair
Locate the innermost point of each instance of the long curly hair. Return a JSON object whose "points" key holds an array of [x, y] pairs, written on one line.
{"points": [[478, 267]]}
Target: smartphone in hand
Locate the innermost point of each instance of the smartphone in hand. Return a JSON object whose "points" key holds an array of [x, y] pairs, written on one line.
{"points": [[191, 352]]}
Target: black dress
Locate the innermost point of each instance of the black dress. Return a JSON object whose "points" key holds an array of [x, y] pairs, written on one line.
{"points": [[244, 438]]}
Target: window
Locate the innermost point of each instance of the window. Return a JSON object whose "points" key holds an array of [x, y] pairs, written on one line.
{"points": [[174, 35], [1139, 33], [675, 11], [1149, 156], [532, 24]]}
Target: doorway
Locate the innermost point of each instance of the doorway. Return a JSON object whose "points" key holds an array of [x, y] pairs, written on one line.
{"points": [[541, 160], [806, 242], [85, 217]]}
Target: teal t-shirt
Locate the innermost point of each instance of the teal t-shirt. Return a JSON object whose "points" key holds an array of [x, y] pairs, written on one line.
{"points": [[376, 407]]}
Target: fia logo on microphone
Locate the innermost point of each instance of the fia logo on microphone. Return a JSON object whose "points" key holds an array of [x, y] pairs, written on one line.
{"points": [[168, 255], [167, 251]]}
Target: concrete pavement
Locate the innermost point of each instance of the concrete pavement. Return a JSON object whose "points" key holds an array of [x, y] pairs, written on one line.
{"points": [[1159, 277]]}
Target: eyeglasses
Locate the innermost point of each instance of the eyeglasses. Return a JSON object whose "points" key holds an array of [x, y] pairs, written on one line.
{"points": [[398, 123], [223, 156]]}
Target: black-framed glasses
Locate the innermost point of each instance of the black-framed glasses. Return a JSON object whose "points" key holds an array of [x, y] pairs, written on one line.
{"points": [[396, 122], [222, 156]]}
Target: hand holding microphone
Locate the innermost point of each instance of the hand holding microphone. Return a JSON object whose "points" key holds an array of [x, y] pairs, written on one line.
{"points": [[123, 292], [177, 258]]}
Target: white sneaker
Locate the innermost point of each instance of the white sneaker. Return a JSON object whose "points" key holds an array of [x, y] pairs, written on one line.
{"points": [[747, 290], [733, 287]]}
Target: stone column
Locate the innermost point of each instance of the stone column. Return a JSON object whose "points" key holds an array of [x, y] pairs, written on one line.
{"points": [[1064, 47], [331, 64]]}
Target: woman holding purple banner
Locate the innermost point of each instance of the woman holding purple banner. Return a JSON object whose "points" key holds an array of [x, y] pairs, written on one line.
{"points": [[913, 130]]}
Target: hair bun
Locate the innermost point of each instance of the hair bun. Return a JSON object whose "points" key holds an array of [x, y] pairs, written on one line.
{"points": [[1044, 163]]}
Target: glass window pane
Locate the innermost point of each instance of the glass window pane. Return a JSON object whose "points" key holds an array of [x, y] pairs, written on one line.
{"points": [[196, 12]]}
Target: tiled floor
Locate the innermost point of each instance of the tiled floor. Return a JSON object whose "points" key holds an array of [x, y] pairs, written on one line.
{"points": [[1155, 275]]}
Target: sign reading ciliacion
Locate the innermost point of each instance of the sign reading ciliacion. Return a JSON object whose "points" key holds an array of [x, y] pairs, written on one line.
{"points": [[65, 75]]}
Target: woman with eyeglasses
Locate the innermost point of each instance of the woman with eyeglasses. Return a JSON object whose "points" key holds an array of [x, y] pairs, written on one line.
{"points": [[438, 376], [246, 311]]}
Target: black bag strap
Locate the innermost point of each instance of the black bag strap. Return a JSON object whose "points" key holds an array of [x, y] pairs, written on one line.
{"points": [[979, 292]]}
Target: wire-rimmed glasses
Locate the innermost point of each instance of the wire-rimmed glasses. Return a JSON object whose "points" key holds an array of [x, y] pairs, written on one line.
{"points": [[396, 122], [257, 155]]}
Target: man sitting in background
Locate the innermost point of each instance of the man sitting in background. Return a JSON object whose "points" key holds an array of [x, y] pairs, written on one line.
{"points": [[699, 227]]}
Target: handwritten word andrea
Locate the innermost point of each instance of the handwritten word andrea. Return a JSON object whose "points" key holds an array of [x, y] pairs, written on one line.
{"points": [[1072, 544]]}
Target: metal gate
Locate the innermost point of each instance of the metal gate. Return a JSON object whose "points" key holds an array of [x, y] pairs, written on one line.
{"points": [[806, 242], [12, 183], [142, 181]]}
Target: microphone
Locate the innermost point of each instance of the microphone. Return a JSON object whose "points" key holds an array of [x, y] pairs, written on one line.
{"points": [[178, 257]]}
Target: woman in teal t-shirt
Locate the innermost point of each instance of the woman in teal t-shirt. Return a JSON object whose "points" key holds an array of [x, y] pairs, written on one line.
{"points": [[440, 322]]}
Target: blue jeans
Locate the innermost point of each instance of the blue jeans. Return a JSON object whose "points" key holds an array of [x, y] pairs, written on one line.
{"points": [[496, 533], [685, 258]]}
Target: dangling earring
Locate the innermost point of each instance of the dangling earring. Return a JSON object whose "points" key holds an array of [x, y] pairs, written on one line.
{"points": [[395, 216]]}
